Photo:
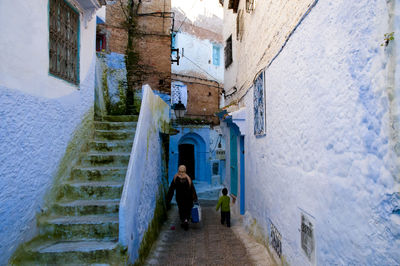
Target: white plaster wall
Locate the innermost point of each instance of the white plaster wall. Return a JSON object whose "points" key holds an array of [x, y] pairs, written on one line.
{"points": [[197, 59], [101, 13], [34, 134], [24, 53], [328, 150], [144, 174], [195, 10], [38, 115], [265, 31]]}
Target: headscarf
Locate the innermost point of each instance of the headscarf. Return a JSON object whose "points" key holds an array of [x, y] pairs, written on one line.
{"points": [[182, 174]]}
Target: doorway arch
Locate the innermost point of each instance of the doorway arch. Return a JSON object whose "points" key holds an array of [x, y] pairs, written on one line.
{"points": [[192, 143]]}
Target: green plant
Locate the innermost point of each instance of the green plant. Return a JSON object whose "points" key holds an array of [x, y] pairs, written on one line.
{"points": [[387, 38]]}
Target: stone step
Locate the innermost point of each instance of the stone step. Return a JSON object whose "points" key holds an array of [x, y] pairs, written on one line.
{"points": [[120, 118], [83, 227], [90, 191], [114, 125], [73, 252], [77, 253], [111, 146], [99, 173], [105, 159], [86, 207], [114, 134]]}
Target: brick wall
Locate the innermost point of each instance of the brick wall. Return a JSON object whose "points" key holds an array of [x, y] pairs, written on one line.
{"points": [[153, 43], [203, 97]]}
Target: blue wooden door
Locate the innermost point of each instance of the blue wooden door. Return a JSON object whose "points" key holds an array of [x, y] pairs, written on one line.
{"points": [[233, 162], [242, 183]]}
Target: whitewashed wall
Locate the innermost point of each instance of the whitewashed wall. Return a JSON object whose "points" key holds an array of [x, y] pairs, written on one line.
{"points": [[24, 54], [38, 115], [332, 106], [198, 58], [265, 31], [144, 174], [199, 25]]}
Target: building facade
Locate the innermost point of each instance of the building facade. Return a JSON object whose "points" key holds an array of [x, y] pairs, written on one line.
{"points": [[198, 37], [150, 30], [46, 98], [311, 128], [197, 81]]}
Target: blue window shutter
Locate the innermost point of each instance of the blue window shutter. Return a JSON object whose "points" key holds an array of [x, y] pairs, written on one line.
{"points": [[173, 40], [216, 55]]}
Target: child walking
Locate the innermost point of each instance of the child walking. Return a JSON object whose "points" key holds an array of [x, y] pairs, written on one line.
{"points": [[223, 202]]}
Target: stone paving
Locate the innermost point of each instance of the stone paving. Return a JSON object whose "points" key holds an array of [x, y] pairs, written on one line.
{"points": [[207, 243]]}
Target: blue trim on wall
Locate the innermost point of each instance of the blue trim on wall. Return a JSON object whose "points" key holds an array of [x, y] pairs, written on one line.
{"points": [[242, 177], [233, 161], [200, 150]]}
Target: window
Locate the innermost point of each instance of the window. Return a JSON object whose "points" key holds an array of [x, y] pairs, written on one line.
{"points": [[216, 54], [228, 52], [250, 5], [63, 36], [233, 4], [173, 40], [100, 42]]}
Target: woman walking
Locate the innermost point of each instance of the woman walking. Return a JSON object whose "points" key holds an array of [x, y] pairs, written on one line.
{"points": [[185, 195]]}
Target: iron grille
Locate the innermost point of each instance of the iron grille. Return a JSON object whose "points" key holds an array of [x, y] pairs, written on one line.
{"points": [[63, 37]]}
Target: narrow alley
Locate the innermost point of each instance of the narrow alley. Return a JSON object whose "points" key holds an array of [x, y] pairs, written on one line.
{"points": [[206, 243], [286, 113]]}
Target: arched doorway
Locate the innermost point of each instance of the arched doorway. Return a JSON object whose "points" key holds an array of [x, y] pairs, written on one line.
{"points": [[186, 157], [192, 153]]}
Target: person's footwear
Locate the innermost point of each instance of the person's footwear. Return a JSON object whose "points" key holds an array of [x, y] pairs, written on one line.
{"points": [[186, 225]]}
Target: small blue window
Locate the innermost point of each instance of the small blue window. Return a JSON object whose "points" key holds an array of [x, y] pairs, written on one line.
{"points": [[216, 54], [173, 40]]}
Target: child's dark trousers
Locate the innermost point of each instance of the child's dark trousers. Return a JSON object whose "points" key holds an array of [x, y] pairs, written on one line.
{"points": [[226, 216]]}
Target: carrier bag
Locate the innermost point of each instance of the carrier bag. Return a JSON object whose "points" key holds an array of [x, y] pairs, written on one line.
{"points": [[196, 213]]}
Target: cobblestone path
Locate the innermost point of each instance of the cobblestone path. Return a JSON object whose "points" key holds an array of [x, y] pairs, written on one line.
{"points": [[208, 243]]}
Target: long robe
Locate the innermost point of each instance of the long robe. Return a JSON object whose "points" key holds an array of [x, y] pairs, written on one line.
{"points": [[185, 195]]}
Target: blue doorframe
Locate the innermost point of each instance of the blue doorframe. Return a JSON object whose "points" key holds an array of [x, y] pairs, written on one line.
{"points": [[233, 161], [242, 181]]}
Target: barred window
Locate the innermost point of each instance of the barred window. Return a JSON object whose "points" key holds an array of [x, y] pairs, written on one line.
{"points": [[250, 5], [63, 35], [228, 52]]}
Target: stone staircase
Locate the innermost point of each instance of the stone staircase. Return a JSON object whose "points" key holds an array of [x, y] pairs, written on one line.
{"points": [[81, 227]]}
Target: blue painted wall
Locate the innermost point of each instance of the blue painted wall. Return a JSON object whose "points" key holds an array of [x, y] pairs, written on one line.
{"points": [[204, 139]]}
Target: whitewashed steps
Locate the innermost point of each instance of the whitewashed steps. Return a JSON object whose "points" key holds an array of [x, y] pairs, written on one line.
{"points": [[81, 226], [86, 207], [105, 159], [111, 146], [87, 252], [114, 125], [114, 134], [120, 118], [91, 190], [99, 173]]}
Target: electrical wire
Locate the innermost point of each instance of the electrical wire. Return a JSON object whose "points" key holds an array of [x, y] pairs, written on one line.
{"points": [[195, 2], [214, 79]]}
